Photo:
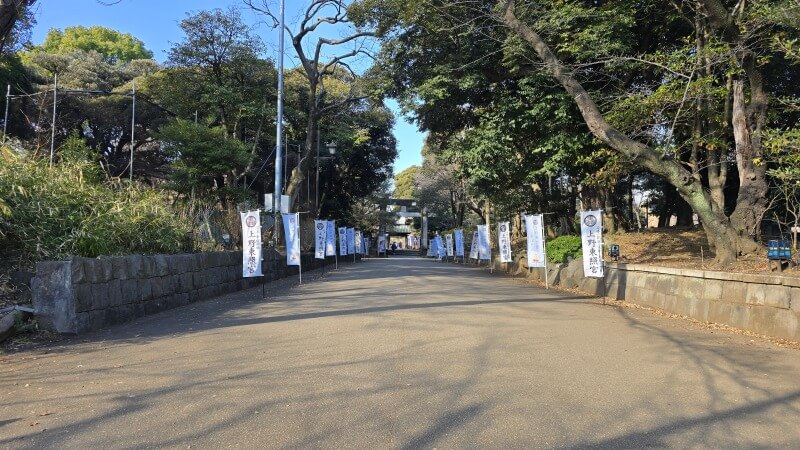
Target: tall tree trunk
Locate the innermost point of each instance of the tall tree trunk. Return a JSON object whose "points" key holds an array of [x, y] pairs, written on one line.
{"points": [[751, 203], [721, 235]]}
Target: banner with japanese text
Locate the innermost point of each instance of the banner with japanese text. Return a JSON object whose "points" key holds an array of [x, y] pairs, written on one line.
{"points": [[459, 242], [251, 248], [382, 244], [320, 241], [534, 230], [351, 241], [359, 243], [473, 248], [291, 230], [592, 240], [330, 238], [449, 242], [484, 243], [504, 241], [342, 241]]}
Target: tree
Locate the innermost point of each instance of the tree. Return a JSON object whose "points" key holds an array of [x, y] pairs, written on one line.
{"points": [[218, 67], [320, 64], [729, 237], [116, 47], [404, 183], [202, 158], [16, 18]]}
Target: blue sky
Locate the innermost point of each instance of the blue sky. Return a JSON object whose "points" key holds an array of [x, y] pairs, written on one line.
{"points": [[155, 22]]}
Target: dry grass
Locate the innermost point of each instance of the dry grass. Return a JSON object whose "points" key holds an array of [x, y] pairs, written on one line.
{"points": [[682, 248]]}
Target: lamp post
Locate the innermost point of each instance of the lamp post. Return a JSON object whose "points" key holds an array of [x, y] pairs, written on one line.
{"points": [[331, 146]]}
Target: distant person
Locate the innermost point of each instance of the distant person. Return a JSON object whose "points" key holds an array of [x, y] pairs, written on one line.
{"points": [[394, 247]]}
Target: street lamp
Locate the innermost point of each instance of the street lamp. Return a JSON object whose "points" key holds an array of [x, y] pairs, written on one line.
{"points": [[331, 146]]}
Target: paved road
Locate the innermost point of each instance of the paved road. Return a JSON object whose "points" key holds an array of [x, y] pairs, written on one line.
{"points": [[403, 353]]}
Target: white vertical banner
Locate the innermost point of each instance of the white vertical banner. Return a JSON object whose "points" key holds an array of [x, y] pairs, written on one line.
{"points": [[504, 241], [534, 229], [359, 243], [592, 240], [291, 230], [251, 240], [484, 243], [460, 243], [320, 238], [351, 241], [382, 243], [473, 248], [430, 250], [439, 247], [449, 242], [330, 238], [342, 241]]}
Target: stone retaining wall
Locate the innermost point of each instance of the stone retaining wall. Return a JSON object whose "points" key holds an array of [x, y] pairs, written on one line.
{"points": [[85, 294], [765, 304]]}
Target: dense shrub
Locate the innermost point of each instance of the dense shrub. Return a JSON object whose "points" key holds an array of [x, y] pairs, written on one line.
{"points": [[562, 247], [54, 212]]}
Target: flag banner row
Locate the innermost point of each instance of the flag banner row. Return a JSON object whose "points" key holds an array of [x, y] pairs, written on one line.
{"points": [[459, 242], [592, 243], [291, 231], [251, 239], [534, 231]]}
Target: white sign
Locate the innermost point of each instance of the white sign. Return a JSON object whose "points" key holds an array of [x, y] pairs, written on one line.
{"points": [[359, 243], [351, 241], [330, 238], [473, 249], [504, 241], [320, 241], [342, 241], [459, 242], [269, 203], [284, 204], [291, 230], [592, 240], [449, 242], [534, 229], [382, 244], [484, 244], [251, 240]]}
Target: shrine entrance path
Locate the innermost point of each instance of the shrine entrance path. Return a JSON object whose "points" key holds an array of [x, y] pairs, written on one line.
{"points": [[403, 352]]}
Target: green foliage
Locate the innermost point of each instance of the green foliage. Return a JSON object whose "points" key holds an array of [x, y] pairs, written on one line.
{"points": [[115, 47], [201, 156], [404, 183], [57, 212], [562, 247]]}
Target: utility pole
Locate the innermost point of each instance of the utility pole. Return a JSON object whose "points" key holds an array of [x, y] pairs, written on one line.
{"points": [[279, 133], [133, 130], [53, 126], [316, 184]]}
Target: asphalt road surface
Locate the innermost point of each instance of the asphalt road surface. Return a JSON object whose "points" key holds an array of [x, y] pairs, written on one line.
{"points": [[403, 353]]}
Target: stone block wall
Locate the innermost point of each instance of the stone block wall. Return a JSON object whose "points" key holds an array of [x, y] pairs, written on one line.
{"points": [[85, 294], [765, 304]]}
